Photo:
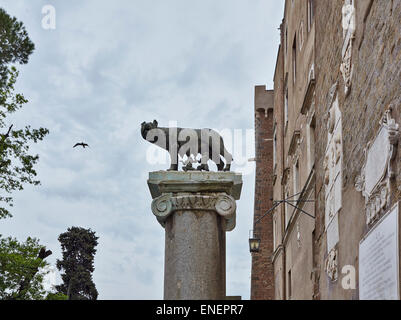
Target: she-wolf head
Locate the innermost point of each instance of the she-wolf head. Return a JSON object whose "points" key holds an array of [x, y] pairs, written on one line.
{"points": [[147, 126]]}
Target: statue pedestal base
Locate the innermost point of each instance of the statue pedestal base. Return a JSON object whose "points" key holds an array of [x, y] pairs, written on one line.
{"points": [[196, 209]]}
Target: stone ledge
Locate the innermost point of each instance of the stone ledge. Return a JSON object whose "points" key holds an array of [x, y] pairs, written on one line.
{"points": [[162, 182]]}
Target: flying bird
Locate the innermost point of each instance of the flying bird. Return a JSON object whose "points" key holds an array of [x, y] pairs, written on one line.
{"points": [[84, 145]]}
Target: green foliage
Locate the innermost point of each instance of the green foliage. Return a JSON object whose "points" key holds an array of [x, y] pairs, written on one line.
{"points": [[21, 270], [16, 164], [15, 45], [78, 248], [56, 296]]}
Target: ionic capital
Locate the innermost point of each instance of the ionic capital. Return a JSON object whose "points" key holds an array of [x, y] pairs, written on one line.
{"points": [[221, 203]]}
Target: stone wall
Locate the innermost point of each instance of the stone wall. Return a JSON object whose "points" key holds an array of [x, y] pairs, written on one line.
{"points": [[354, 48], [293, 256], [375, 86], [278, 190]]}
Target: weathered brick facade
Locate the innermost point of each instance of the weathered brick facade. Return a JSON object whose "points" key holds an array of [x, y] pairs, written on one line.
{"points": [[338, 72], [262, 268]]}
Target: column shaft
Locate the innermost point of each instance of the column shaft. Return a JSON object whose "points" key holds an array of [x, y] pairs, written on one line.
{"points": [[195, 258]]}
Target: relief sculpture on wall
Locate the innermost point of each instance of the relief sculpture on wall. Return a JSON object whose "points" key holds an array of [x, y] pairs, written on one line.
{"points": [[331, 267], [377, 172], [348, 25], [333, 174]]}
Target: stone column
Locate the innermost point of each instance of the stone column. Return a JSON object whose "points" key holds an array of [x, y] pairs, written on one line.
{"points": [[196, 209]]}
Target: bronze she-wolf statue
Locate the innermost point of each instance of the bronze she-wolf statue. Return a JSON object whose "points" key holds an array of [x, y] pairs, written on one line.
{"points": [[190, 142]]}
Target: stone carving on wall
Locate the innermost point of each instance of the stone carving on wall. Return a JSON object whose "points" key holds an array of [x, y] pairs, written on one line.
{"points": [[331, 265], [298, 235], [222, 204], [294, 150], [348, 24], [332, 93], [348, 20], [377, 172], [346, 68], [333, 174], [311, 76]]}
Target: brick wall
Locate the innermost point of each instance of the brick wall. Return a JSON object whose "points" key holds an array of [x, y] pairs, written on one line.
{"points": [[262, 280]]}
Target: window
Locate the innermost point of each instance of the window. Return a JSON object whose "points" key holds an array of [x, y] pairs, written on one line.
{"points": [[310, 14], [286, 210], [289, 285], [274, 233], [286, 40], [311, 143], [296, 180], [294, 59], [286, 106], [275, 149]]}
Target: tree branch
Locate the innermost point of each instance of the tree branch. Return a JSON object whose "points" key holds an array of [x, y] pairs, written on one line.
{"points": [[5, 136], [24, 284]]}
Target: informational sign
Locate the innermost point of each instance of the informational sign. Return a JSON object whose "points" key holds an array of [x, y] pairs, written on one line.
{"points": [[379, 260]]}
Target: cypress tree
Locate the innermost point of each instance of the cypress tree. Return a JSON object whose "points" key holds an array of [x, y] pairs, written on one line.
{"points": [[78, 249]]}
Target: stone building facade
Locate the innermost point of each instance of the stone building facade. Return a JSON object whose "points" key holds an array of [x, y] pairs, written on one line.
{"points": [[335, 173]]}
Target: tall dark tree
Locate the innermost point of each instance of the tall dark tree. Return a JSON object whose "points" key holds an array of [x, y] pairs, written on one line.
{"points": [[21, 263], [78, 248], [16, 164]]}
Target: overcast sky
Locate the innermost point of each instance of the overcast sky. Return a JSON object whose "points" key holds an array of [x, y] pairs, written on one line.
{"points": [[107, 67]]}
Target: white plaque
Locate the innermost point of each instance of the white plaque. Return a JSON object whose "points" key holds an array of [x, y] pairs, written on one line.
{"points": [[379, 261], [332, 233], [377, 160]]}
